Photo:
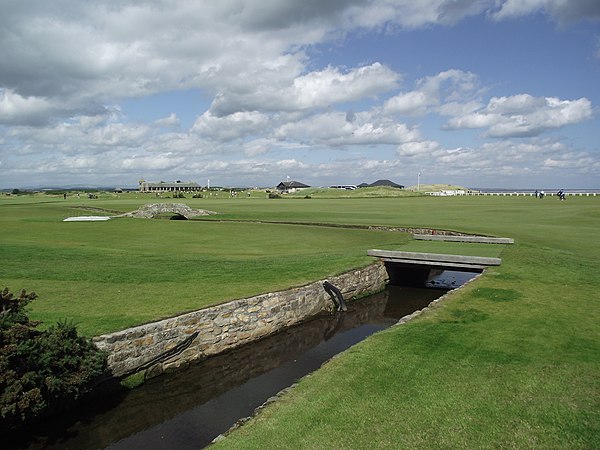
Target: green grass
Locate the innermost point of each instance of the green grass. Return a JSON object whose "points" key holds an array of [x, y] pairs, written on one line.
{"points": [[510, 361], [107, 276]]}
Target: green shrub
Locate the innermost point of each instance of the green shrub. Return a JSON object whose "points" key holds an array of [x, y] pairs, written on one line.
{"points": [[41, 372], [272, 195]]}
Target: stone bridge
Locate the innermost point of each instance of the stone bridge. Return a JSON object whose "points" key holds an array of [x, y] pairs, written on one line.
{"points": [[153, 210], [414, 268]]}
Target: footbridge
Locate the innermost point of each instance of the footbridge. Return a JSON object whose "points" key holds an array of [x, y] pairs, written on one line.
{"points": [[413, 268], [153, 210]]}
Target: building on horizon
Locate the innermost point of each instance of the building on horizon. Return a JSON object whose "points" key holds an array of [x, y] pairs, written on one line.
{"points": [[291, 186], [177, 186], [348, 187]]}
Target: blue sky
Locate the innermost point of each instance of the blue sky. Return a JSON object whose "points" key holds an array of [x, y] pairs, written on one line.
{"points": [[493, 93]]}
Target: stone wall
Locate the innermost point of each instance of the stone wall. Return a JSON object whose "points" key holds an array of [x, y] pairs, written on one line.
{"points": [[232, 324]]}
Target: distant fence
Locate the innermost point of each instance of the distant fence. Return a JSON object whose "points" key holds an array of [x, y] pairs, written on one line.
{"points": [[509, 194]]}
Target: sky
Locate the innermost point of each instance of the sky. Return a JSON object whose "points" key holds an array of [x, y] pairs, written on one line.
{"points": [[478, 93]]}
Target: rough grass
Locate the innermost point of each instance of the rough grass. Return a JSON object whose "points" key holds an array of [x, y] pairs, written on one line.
{"points": [[367, 192]]}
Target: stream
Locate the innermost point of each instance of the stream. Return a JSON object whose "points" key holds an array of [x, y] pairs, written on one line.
{"points": [[189, 408]]}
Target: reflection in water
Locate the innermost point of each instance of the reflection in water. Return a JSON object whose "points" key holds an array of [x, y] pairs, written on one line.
{"points": [[448, 279], [189, 408]]}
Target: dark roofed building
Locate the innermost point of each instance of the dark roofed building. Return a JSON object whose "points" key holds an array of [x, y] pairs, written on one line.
{"points": [[386, 183], [290, 186]]}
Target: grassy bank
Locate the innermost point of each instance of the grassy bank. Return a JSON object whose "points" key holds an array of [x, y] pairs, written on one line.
{"points": [[511, 361]]}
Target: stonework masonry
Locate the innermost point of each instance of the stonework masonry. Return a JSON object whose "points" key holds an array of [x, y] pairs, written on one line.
{"points": [[153, 210], [229, 325]]}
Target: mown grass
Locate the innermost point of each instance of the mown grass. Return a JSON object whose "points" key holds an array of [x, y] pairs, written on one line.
{"points": [[510, 361], [106, 276]]}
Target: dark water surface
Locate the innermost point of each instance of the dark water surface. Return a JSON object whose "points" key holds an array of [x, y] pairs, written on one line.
{"points": [[189, 408]]}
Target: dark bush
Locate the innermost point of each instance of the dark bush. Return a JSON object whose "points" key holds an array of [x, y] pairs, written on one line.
{"points": [[41, 372], [272, 195]]}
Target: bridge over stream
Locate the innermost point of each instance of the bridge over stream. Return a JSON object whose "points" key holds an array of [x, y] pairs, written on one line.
{"points": [[152, 210], [414, 268]]}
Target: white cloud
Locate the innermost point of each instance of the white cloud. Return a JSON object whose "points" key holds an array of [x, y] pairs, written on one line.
{"points": [[335, 130], [565, 11], [409, 14], [288, 164], [146, 163], [82, 55], [516, 104], [418, 148], [36, 110], [230, 127], [411, 103], [258, 147], [85, 55], [249, 58], [451, 87], [15, 108], [458, 108], [330, 86], [185, 144], [575, 162], [168, 122], [493, 163], [524, 115], [317, 89]]}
